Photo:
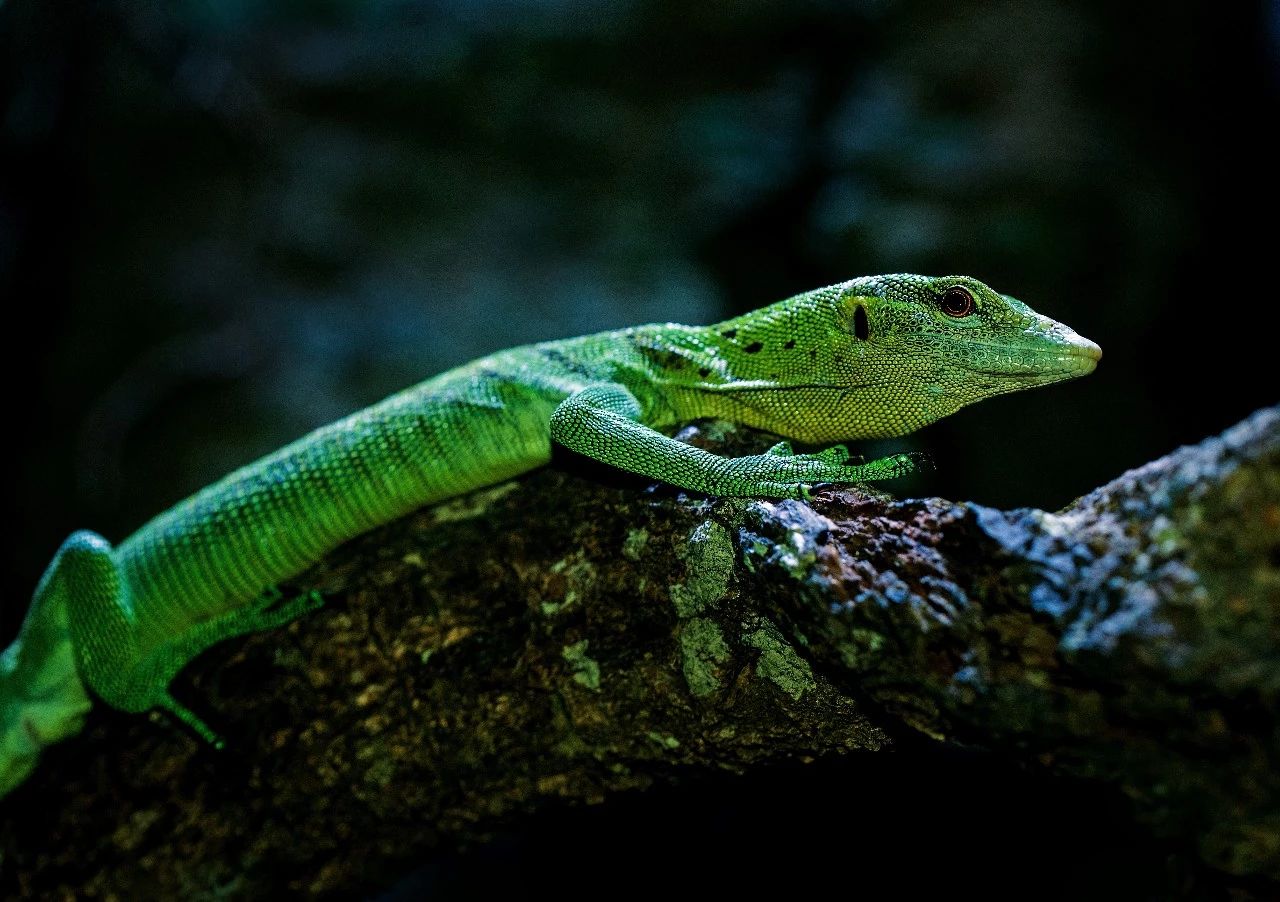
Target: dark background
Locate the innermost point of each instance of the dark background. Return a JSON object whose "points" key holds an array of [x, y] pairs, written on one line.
{"points": [[224, 223]]}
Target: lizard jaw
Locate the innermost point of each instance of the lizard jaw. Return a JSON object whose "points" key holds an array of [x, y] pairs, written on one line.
{"points": [[1079, 358], [1047, 351]]}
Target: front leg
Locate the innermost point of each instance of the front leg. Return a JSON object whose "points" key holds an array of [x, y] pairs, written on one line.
{"points": [[602, 422]]}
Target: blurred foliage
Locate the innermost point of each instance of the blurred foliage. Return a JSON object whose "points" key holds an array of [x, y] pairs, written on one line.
{"points": [[226, 223]]}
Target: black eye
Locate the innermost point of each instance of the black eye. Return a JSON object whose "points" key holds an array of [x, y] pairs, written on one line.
{"points": [[958, 302]]}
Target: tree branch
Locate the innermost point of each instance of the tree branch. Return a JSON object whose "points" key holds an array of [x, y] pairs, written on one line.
{"points": [[560, 639]]}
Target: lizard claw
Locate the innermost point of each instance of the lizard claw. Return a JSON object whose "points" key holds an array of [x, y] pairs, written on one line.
{"points": [[916, 460]]}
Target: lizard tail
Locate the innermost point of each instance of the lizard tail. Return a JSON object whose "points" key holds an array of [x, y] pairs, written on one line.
{"points": [[43, 700]]}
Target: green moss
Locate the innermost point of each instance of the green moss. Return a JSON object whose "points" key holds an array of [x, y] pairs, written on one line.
{"points": [[572, 746], [860, 648], [381, 773], [579, 576], [381, 768], [130, 834], [779, 664], [757, 549], [667, 742], [633, 545], [703, 651], [796, 549], [709, 556], [586, 672], [475, 504]]}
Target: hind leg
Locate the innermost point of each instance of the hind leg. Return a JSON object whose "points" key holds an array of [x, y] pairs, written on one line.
{"points": [[82, 630], [265, 612], [106, 633]]}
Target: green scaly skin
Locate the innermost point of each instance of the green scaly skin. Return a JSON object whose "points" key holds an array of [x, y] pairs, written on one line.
{"points": [[123, 621]]}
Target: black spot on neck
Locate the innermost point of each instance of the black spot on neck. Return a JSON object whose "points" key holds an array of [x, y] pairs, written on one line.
{"points": [[861, 325], [790, 343], [754, 348], [704, 372], [663, 358], [563, 360], [730, 333]]}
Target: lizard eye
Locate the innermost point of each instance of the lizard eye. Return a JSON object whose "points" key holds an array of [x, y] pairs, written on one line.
{"points": [[957, 302]]}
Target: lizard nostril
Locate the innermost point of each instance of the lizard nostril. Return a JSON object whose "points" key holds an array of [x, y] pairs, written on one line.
{"points": [[861, 325]]}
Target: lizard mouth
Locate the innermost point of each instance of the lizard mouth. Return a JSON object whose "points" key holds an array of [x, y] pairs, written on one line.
{"points": [[1079, 357]]}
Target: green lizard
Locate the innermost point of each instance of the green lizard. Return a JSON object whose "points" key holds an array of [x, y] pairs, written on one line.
{"points": [[870, 358]]}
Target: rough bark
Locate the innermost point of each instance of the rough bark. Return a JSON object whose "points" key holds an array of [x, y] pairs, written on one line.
{"points": [[564, 638]]}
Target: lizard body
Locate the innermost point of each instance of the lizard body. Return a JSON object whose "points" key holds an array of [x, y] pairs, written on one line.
{"points": [[870, 358]]}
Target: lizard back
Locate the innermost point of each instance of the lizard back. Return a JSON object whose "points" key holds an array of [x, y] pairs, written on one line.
{"points": [[476, 425]]}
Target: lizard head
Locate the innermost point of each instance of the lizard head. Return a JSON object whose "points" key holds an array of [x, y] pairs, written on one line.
{"points": [[948, 341], [875, 357]]}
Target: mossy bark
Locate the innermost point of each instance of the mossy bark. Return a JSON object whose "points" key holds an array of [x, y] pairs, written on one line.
{"points": [[563, 638]]}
